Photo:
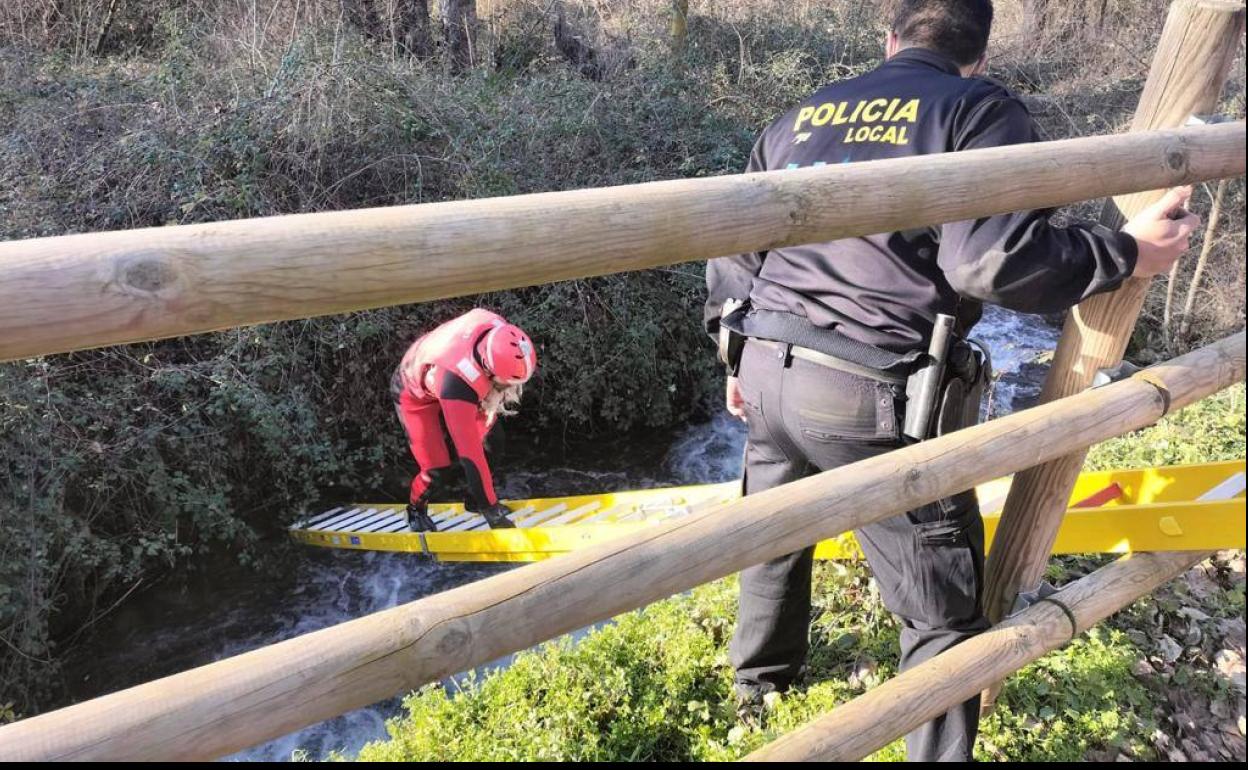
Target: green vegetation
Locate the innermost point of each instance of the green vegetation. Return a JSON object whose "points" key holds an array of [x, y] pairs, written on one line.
{"points": [[655, 685], [126, 465]]}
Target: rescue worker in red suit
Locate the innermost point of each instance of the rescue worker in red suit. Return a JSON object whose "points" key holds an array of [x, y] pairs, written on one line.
{"points": [[461, 376]]}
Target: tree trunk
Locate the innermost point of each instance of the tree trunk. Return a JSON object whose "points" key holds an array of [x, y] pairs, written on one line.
{"points": [[571, 44], [410, 28], [1190, 66], [105, 27], [223, 707], [488, 9], [870, 722], [1043, 23], [680, 25], [74, 292], [459, 26], [362, 14]]}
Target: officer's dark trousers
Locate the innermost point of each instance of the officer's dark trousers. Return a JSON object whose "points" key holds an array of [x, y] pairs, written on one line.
{"points": [[928, 564]]}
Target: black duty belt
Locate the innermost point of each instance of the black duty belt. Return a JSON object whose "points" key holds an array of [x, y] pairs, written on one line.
{"points": [[775, 326], [832, 362]]}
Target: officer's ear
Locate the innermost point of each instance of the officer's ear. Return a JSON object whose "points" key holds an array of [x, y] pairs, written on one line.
{"points": [[892, 44]]}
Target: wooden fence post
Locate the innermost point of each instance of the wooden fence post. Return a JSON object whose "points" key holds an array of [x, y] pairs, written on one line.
{"points": [[1197, 47]]}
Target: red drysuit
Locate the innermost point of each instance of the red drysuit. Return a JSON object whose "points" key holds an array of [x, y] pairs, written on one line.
{"points": [[442, 380]]}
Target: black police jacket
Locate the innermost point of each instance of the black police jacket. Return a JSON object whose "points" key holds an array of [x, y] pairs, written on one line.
{"points": [[886, 289]]}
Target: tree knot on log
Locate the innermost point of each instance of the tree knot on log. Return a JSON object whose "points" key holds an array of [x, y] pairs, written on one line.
{"points": [[913, 476], [147, 274], [455, 640], [799, 206], [1177, 158], [1160, 385]]}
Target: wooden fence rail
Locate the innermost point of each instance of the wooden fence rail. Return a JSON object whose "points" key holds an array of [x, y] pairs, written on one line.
{"points": [[872, 721], [221, 708], [82, 291]]}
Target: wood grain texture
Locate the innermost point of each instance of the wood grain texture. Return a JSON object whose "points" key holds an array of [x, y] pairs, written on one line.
{"points": [[872, 721], [80, 291], [221, 708], [1197, 45]]}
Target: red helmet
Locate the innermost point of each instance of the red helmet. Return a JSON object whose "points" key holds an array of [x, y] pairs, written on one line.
{"points": [[509, 354]]}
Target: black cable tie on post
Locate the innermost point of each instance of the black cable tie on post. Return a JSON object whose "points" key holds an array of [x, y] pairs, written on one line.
{"points": [[1156, 382], [1074, 624], [1125, 370]]}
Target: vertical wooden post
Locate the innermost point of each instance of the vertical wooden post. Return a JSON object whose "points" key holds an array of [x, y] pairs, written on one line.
{"points": [[1193, 57], [679, 28], [409, 28], [459, 29]]}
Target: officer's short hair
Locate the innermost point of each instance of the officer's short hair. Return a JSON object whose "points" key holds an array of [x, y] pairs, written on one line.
{"points": [[957, 28]]}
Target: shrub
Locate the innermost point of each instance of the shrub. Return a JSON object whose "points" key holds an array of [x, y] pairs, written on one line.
{"points": [[654, 685]]}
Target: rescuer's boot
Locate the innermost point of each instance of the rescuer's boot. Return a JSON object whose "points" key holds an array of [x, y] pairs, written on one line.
{"points": [[496, 516], [418, 518]]}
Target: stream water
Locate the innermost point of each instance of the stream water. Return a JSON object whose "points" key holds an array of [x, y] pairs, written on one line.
{"points": [[170, 629]]}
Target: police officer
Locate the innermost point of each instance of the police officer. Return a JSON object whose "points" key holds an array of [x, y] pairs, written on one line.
{"points": [[833, 331]]}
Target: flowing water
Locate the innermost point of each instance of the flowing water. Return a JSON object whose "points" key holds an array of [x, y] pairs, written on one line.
{"points": [[230, 611]]}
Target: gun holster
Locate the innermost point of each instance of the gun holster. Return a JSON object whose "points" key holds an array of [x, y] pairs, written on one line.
{"points": [[731, 342], [966, 381]]}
